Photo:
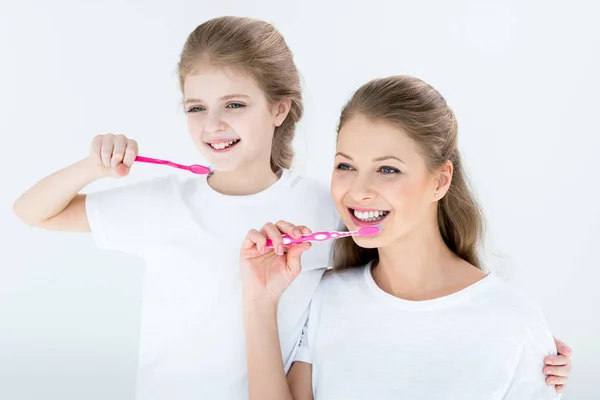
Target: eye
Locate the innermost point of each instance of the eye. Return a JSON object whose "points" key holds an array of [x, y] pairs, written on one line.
{"points": [[236, 105], [344, 167], [389, 170], [195, 109]]}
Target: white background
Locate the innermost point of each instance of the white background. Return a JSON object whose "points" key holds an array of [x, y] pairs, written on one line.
{"points": [[522, 77]]}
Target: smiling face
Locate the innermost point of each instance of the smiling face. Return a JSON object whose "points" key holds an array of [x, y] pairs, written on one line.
{"points": [[230, 119], [380, 177]]}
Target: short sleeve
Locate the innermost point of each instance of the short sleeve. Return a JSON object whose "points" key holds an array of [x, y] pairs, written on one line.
{"points": [[119, 217], [529, 381], [303, 351]]}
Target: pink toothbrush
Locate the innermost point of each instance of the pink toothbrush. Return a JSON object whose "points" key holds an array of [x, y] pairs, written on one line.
{"points": [[321, 236], [195, 168]]}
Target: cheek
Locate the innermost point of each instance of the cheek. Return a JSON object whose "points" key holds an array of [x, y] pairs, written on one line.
{"points": [[339, 188], [404, 196], [194, 124], [253, 124]]}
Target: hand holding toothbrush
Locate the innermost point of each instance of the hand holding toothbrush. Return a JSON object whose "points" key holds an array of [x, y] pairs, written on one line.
{"points": [[267, 272]]}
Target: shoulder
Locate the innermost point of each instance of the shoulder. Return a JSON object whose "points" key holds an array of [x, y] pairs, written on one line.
{"points": [[339, 281], [306, 186], [313, 198], [520, 310]]}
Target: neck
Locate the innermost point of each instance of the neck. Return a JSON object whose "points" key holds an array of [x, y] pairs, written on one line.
{"points": [[246, 180], [419, 266]]}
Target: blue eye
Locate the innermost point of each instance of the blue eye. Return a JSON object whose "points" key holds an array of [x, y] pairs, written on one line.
{"points": [[343, 167], [195, 109], [389, 170], [235, 105]]}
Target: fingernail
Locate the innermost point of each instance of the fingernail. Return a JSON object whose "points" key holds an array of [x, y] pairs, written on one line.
{"points": [[297, 232], [549, 371], [262, 250], [280, 249], [550, 361]]}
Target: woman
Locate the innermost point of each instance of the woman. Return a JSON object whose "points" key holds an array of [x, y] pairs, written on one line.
{"points": [[407, 313]]}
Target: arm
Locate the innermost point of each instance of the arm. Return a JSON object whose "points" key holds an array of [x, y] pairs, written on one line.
{"points": [[53, 203], [266, 273], [528, 380], [266, 374]]}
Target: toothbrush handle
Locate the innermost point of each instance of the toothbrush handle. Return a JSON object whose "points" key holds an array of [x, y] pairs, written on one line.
{"points": [[151, 160], [316, 236]]}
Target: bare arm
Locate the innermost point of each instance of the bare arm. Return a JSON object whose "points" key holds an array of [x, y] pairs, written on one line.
{"points": [[54, 203], [266, 273], [300, 381]]}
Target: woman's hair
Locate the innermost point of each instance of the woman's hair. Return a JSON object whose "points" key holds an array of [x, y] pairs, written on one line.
{"points": [[419, 110], [257, 49]]}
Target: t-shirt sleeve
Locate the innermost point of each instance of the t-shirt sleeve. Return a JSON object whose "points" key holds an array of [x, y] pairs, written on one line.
{"points": [[118, 217], [303, 351], [529, 381]]}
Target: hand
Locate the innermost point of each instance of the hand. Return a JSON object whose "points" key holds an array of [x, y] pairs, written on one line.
{"points": [[267, 272], [113, 155], [558, 368]]}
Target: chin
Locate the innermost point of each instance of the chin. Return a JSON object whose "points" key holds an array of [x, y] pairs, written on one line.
{"points": [[369, 242]]}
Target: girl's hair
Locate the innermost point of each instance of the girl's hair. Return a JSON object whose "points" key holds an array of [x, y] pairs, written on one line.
{"points": [[257, 49], [418, 109]]}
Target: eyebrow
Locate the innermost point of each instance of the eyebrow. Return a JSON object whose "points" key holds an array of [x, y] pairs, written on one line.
{"points": [[224, 98], [375, 159]]}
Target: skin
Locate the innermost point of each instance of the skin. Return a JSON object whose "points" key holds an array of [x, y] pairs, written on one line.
{"points": [[386, 173]]}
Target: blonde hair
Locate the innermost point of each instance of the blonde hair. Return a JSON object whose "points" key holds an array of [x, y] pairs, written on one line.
{"points": [[258, 49], [418, 109]]}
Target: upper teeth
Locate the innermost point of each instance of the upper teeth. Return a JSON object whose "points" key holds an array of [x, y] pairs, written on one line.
{"points": [[369, 215], [222, 145]]}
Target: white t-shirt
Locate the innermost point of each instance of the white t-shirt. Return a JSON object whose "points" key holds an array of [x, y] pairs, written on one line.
{"points": [[484, 342], [192, 337]]}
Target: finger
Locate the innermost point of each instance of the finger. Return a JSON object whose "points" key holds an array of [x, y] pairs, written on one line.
{"points": [[558, 371], [118, 150], [273, 233], [293, 257], [559, 388], [131, 152], [556, 380], [289, 228], [562, 348], [107, 150], [254, 238], [305, 230], [96, 146], [557, 360]]}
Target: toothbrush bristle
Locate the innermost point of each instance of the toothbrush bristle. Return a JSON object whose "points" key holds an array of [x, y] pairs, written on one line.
{"points": [[369, 230]]}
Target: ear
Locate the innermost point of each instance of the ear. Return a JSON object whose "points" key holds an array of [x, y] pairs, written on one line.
{"points": [[280, 111], [444, 180]]}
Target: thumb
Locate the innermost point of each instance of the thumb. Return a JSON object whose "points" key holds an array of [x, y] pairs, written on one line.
{"points": [[293, 257], [121, 170], [562, 348]]}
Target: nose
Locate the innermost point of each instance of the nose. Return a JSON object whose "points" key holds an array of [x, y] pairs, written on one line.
{"points": [[362, 188], [214, 122]]}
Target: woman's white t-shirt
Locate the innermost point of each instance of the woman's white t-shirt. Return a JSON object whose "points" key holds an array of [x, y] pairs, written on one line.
{"points": [[484, 342], [192, 342]]}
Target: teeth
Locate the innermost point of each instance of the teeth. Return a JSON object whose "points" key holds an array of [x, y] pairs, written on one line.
{"points": [[222, 145], [369, 216]]}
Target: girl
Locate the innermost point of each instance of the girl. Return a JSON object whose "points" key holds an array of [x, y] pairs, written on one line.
{"points": [[408, 312], [242, 100]]}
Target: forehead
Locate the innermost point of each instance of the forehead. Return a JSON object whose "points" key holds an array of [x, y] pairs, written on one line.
{"points": [[214, 82], [362, 137]]}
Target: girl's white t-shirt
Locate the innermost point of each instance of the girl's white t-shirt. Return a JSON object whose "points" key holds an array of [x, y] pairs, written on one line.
{"points": [[484, 342], [192, 342]]}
